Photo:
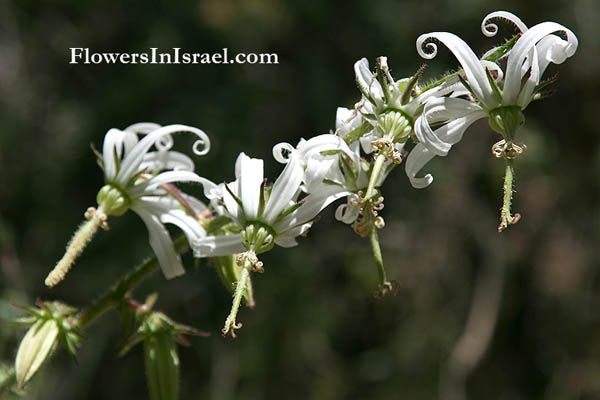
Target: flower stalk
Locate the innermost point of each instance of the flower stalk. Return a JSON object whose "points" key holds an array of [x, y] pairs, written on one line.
{"points": [[377, 168]]}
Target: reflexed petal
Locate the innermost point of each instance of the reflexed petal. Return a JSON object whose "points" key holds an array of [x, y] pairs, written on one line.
{"points": [[159, 160], [131, 163], [319, 170], [249, 174], [346, 121], [366, 80], [416, 160], [314, 203], [191, 227], [526, 93], [474, 71], [286, 242], [327, 142], [161, 243], [142, 127], [284, 189], [165, 177], [439, 110], [282, 152], [521, 51], [215, 246], [450, 133], [287, 239], [232, 207], [347, 213]]}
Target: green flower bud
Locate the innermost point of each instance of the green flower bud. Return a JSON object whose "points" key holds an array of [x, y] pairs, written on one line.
{"points": [[35, 348], [162, 366], [112, 200], [506, 120], [51, 322], [394, 125], [159, 334], [258, 237]]}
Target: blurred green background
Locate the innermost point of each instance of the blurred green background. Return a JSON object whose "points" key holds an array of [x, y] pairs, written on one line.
{"points": [[479, 315]]}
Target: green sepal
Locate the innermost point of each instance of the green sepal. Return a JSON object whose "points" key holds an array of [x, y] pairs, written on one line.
{"points": [[358, 132]]}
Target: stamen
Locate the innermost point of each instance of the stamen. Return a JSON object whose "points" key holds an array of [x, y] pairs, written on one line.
{"points": [[508, 151], [85, 233], [386, 146]]}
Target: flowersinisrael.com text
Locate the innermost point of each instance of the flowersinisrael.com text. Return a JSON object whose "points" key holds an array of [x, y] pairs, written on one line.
{"points": [[81, 55]]}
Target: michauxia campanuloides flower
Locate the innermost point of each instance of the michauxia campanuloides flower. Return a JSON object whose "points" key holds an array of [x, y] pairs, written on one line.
{"points": [[139, 179], [265, 216], [500, 96]]}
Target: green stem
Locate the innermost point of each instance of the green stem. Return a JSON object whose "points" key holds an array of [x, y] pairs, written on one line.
{"points": [[230, 323], [377, 167], [114, 296], [506, 218], [378, 257], [8, 380]]}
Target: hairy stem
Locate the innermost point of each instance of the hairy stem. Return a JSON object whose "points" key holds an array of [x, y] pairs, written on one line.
{"points": [[113, 297]]}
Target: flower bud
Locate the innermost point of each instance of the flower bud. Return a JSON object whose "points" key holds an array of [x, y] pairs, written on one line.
{"points": [[258, 237], [162, 366], [159, 334], [35, 348], [394, 125], [51, 322]]}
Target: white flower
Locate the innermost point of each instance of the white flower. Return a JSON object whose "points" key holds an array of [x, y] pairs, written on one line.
{"points": [[140, 179], [265, 216], [499, 96], [330, 164]]}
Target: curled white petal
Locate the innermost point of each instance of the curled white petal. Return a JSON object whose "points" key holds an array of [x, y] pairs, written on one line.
{"points": [[131, 163], [143, 127], [493, 67], [313, 204], [521, 54], [202, 146], [367, 81], [347, 213], [473, 70], [284, 189], [416, 160], [159, 160], [490, 29], [161, 243], [150, 185], [282, 152]]}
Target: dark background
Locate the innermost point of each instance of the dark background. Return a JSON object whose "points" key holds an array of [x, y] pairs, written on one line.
{"points": [[489, 315]]}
